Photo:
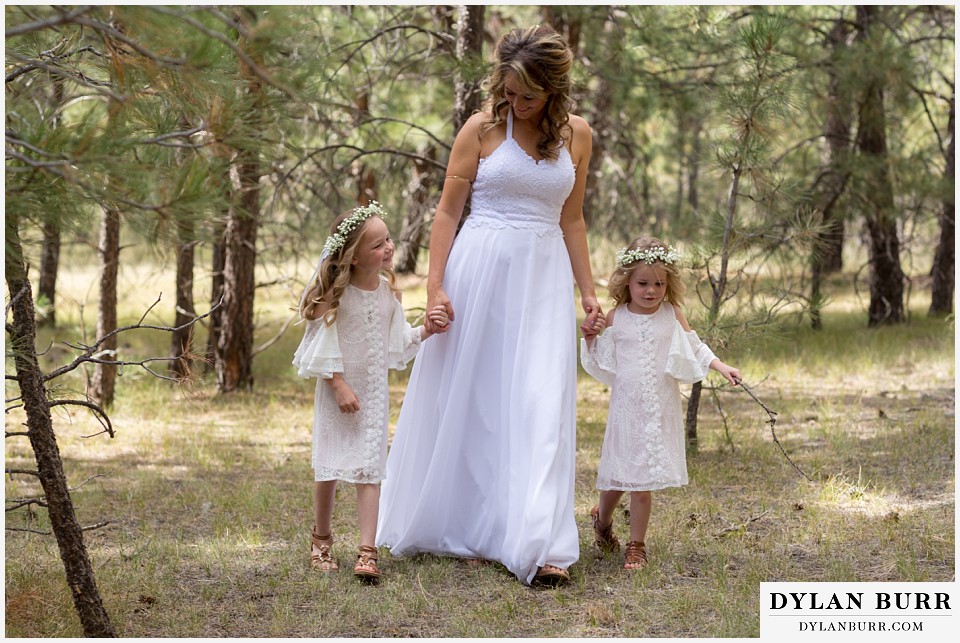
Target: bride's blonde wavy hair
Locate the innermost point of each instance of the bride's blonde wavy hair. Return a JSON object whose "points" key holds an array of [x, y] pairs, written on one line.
{"points": [[334, 274], [541, 59]]}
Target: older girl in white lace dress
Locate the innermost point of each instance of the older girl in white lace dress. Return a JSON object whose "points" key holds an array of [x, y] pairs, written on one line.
{"points": [[355, 331], [647, 349]]}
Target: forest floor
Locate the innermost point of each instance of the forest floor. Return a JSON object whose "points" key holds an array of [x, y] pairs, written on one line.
{"points": [[209, 503]]}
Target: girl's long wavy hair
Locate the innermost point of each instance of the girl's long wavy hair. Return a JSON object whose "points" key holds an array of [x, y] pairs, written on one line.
{"points": [[541, 59], [619, 286], [334, 275]]}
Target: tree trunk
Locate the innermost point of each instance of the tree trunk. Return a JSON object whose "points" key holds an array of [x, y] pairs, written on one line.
{"points": [[693, 166], [941, 302], [693, 408], [105, 375], [234, 355], [366, 183], [469, 50], [63, 519], [467, 93], [216, 289], [601, 122], [566, 21], [50, 250], [414, 219], [886, 275], [182, 340], [49, 265], [233, 359], [827, 257], [837, 126], [681, 151]]}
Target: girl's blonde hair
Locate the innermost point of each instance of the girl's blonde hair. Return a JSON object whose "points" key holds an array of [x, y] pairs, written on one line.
{"points": [[619, 286], [541, 59], [334, 274]]}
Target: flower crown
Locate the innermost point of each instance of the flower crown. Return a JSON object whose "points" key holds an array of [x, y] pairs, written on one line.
{"points": [[668, 255], [338, 239]]}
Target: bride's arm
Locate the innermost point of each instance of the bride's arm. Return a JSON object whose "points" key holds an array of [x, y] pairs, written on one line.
{"points": [[573, 226], [461, 172]]}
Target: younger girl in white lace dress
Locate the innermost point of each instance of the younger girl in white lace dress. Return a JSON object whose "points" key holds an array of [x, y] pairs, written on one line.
{"points": [[647, 349], [355, 331]]}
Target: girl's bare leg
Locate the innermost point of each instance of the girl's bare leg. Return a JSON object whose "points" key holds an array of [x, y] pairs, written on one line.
{"points": [[641, 503], [323, 497], [608, 504], [321, 541], [368, 504]]}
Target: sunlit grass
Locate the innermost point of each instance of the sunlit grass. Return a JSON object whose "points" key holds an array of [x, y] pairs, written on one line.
{"points": [[210, 497]]}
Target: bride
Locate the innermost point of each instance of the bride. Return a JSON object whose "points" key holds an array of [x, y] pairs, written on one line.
{"points": [[482, 463]]}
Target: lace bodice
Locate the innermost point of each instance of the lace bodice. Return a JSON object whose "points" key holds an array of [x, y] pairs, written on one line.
{"points": [[514, 190]]}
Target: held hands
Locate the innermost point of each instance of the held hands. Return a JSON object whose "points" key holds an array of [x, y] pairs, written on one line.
{"points": [[598, 327], [438, 318], [436, 297], [590, 325]]}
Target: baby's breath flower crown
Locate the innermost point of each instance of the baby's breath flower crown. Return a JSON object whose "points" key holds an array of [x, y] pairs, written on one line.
{"points": [[669, 255], [336, 241]]}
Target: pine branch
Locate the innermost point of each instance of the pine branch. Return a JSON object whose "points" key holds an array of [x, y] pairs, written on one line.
{"points": [[235, 48], [55, 21]]}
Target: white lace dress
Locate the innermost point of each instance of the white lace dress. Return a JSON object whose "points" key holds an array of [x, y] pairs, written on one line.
{"points": [[482, 461], [369, 336], [643, 358]]}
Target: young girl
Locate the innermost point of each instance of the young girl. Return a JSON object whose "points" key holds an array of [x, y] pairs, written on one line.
{"points": [[355, 331], [647, 348]]}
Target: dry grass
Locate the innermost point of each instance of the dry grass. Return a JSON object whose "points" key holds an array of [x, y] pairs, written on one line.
{"points": [[209, 499]]}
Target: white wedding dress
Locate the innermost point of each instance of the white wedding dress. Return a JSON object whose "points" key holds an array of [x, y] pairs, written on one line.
{"points": [[482, 462]]}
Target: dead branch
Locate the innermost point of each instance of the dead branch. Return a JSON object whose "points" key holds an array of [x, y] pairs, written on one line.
{"points": [[47, 533], [31, 531], [772, 421], [26, 472], [91, 350], [98, 412], [25, 502], [273, 340], [98, 525], [30, 66], [742, 526]]}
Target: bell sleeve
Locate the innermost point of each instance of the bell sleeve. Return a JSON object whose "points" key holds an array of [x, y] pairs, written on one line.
{"points": [[319, 352], [404, 341], [689, 358], [600, 360]]}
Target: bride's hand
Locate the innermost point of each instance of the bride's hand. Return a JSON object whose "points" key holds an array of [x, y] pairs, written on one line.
{"points": [[592, 308], [437, 297]]}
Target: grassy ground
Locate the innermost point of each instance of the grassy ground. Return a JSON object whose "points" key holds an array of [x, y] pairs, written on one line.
{"points": [[209, 500]]}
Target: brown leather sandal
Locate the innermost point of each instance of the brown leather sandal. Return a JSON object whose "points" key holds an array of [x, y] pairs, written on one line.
{"points": [[551, 575], [636, 557], [322, 560], [604, 537], [366, 567]]}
